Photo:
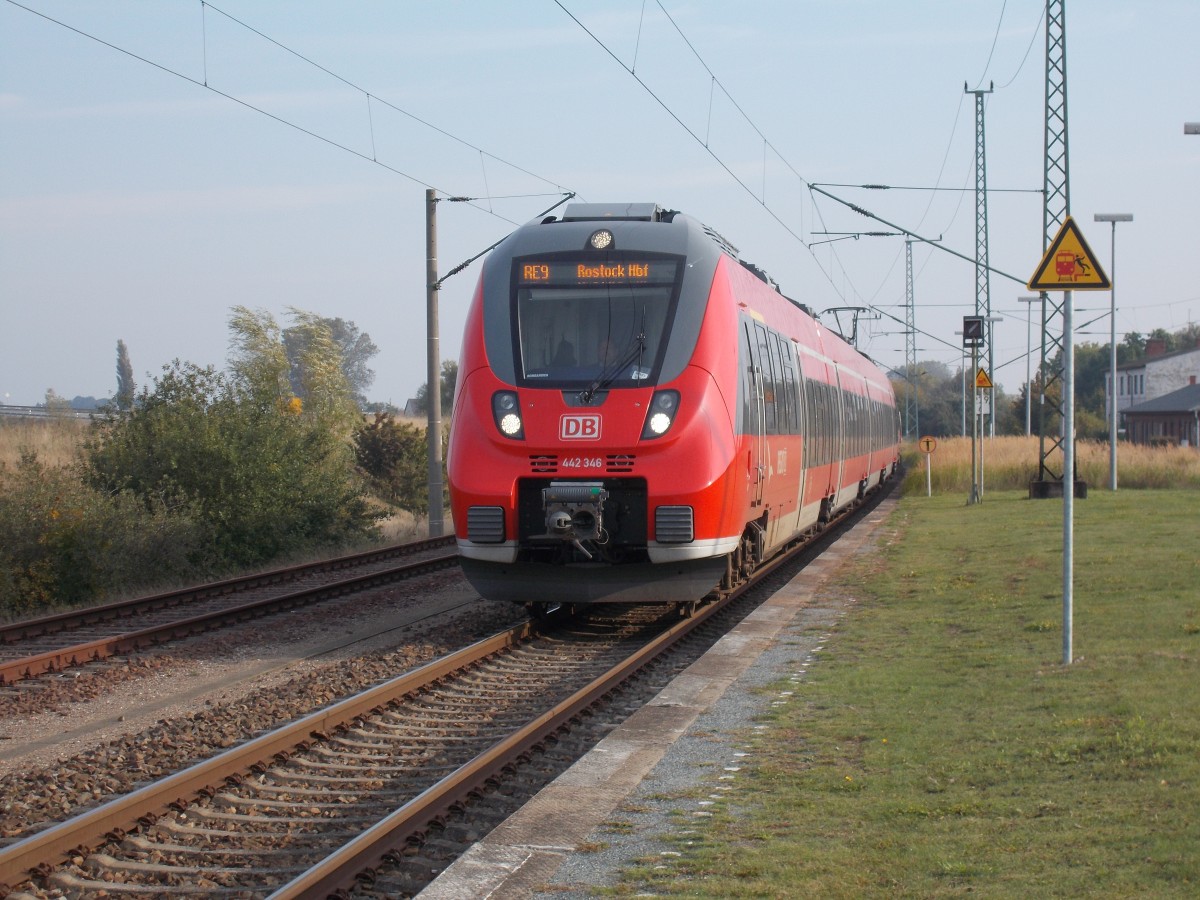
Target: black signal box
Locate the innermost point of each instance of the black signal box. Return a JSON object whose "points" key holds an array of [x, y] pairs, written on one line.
{"points": [[972, 331]]}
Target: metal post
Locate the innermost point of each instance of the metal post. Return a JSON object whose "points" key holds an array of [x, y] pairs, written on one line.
{"points": [[974, 498], [433, 395], [963, 405], [1028, 359], [1068, 479], [1112, 367], [1113, 218]]}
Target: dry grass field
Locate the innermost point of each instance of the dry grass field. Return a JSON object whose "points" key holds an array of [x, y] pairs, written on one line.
{"points": [[56, 441], [1010, 463]]}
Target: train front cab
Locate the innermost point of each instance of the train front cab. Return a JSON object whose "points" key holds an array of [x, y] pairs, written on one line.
{"points": [[585, 503]]}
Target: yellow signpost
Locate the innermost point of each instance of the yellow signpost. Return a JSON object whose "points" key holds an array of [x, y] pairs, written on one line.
{"points": [[928, 444]]}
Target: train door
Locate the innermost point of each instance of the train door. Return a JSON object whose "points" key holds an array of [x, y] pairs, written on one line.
{"points": [[839, 432], [767, 357], [794, 386], [754, 425]]}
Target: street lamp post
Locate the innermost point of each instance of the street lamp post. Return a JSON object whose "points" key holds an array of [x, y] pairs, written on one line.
{"points": [[1028, 356], [1113, 219]]}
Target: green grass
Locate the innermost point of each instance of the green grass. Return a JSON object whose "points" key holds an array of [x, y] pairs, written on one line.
{"points": [[940, 747]]}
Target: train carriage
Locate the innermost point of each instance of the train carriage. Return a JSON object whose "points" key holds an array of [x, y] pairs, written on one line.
{"points": [[640, 416]]}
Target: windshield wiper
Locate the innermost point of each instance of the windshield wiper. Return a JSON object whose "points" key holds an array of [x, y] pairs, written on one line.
{"points": [[607, 376]]}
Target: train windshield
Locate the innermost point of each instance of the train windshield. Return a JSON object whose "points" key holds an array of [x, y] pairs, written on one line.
{"points": [[578, 322]]}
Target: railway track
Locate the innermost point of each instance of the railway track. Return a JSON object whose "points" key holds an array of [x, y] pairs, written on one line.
{"points": [[309, 804], [342, 796], [80, 637]]}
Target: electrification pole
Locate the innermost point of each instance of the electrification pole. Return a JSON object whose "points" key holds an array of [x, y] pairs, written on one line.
{"points": [[911, 405], [983, 297], [1056, 186], [433, 393]]}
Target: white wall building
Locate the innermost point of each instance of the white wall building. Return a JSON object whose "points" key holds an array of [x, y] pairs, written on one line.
{"points": [[1152, 376]]}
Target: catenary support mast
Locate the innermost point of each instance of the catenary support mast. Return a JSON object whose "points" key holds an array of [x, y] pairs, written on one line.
{"points": [[1057, 193]]}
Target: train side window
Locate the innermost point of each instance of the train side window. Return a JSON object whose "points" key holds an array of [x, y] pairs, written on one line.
{"points": [[812, 389], [826, 425], [822, 422], [839, 417], [768, 377], [782, 421], [751, 393], [812, 408], [793, 400]]}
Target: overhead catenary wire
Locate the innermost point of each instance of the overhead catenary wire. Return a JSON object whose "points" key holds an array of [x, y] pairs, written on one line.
{"points": [[696, 137], [372, 158], [714, 84]]}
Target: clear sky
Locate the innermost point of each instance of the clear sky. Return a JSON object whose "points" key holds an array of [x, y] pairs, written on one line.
{"points": [[139, 205]]}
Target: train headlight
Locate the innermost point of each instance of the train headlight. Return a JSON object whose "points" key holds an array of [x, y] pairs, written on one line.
{"points": [[601, 240], [506, 411], [661, 416]]}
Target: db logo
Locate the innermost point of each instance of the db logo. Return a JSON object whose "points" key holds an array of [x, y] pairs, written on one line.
{"points": [[579, 428]]}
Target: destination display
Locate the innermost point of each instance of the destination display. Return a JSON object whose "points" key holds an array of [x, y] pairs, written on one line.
{"points": [[574, 272]]}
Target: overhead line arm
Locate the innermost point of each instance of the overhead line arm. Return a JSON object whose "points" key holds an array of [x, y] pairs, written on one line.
{"points": [[912, 234]]}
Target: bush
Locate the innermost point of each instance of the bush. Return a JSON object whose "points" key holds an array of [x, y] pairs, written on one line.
{"points": [[266, 478], [63, 543], [395, 455]]}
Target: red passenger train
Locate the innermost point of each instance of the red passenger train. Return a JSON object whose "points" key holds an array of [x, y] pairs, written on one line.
{"points": [[641, 417]]}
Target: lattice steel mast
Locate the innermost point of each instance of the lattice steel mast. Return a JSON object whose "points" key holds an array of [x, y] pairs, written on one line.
{"points": [[911, 428], [1057, 191], [983, 295]]}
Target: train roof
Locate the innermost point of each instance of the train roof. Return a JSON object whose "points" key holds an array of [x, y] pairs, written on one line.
{"points": [[652, 212], [652, 228]]}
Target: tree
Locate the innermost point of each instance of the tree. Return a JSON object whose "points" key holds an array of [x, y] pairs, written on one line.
{"points": [[257, 359], [1092, 363], [449, 380], [1133, 346], [268, 474], [396, 457], [354, 347], [125, 384], [938, 397], [263, 371], [316, 373]]}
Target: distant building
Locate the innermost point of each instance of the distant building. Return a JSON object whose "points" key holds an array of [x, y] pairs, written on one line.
{"points": [[412, 409], [1172, 419], [1154, 375]]}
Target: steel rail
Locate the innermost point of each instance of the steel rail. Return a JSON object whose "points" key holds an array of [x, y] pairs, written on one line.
{"points": [[112, 645], [11, 632], [20, 860], [339, 870], [366, 851]]}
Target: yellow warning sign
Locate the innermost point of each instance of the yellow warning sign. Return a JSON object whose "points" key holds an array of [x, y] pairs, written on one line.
{"points": [[982, 380], [1069, 264]]}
